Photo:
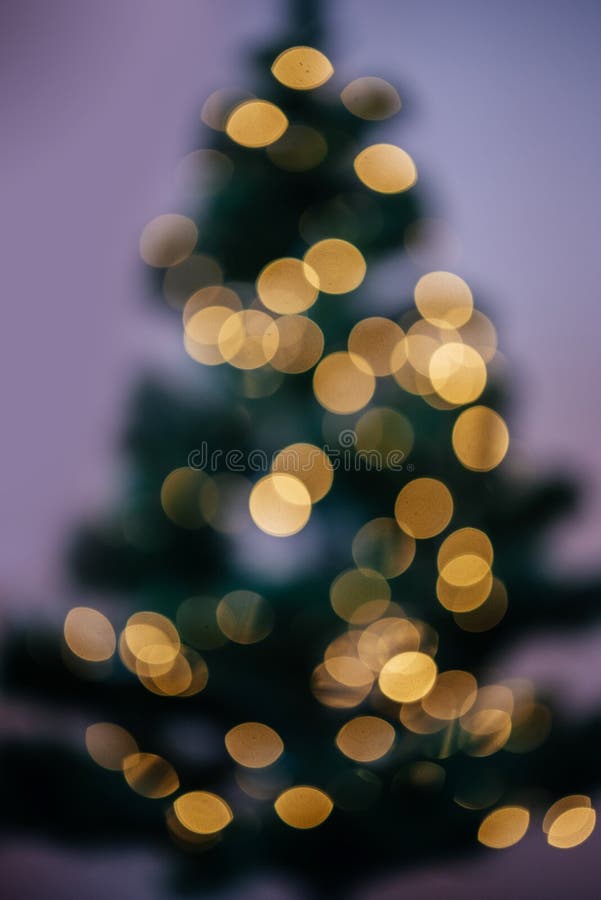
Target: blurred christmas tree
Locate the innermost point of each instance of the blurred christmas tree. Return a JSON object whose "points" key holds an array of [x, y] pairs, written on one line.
{"points": [[311, 531]]}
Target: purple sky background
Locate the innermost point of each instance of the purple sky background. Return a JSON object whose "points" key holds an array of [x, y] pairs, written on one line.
{"points": [[98, 105]]}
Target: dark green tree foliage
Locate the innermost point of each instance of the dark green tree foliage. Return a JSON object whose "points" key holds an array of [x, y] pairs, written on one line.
{"points": [[147, 562]]}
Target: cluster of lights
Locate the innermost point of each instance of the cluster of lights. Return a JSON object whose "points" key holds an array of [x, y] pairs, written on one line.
{"points": [[440, 352]]}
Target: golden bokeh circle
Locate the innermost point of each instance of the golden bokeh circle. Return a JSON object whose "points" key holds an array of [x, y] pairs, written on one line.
{"points": [[308, 463], [375, 340], [359, 596], [453, 694], [248, 339], [340, 266], [256, 123], [280, 504], [444, 299], [332, 692], [343, 383], [303, 807], [288, 286], [408, 676], [457, 373], [365, 738], [152, 640], [385, 168], [424, 508], [89, 634], [480, 438], [464, 598], [150, 775], [201, 335], [385, 638], [504, 827], [465, 557], [302, 68], [572, 828], [300, 345], [202, 812], [254, 745]]}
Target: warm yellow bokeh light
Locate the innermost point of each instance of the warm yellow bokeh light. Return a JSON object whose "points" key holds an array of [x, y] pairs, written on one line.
{"points": [[504, 827], [385, 638], [201, 335], [202, 812], [343, 383], [415, 719], [457, 373], [168, 240], [280, 504], [385, 168], [300, 344], [302, 68], [408, 676], [572, 828], [109, 744], [150, 775], [89, 634], [365, 738], [359, 596], [444, 299], [452, 696], [382, 546], [371, 98], [288, 286], [463, 599], [424, 508], [248, 339], [340, 266], [480, 438], [375, 340], [336, 693], [563, 805], [187, 675], [153, 642], [254, 745], [465, 557], [303, 807], [210, 296], [310, 465], [348, 670], [256, 123], [244, 617]]}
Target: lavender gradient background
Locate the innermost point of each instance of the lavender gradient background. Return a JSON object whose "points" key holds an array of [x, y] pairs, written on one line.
{"points": [[99, 102]]}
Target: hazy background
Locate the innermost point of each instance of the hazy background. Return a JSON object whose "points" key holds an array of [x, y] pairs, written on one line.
{"points": [[100, 99]]}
